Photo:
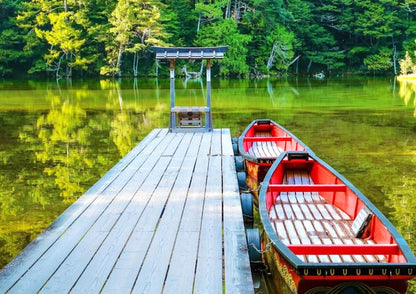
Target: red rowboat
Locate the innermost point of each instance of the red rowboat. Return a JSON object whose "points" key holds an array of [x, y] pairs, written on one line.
{"points": [[322, 234], [260, 144]]}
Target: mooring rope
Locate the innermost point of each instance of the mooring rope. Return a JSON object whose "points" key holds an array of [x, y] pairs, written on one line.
{"points": [[252, 190], [267, 247]]}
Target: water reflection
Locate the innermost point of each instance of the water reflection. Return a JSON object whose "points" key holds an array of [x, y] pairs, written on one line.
{"points": [[407, 92], [58, 146], [59, 139]]}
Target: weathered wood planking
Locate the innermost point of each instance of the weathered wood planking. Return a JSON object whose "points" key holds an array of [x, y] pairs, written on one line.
{"points": [[306, 218], [167, 218], [237, 265]]}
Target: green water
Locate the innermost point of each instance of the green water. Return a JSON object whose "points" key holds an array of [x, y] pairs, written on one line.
{"points": [[58, 139]]}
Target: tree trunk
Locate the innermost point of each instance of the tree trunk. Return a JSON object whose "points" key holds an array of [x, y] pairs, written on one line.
{"points": [[297, 65], [394, 58], [58, 66], [309, 66], [272, 55], [199, 23], [157, 67], [118, 65], [228, 10], [68, 72], [294, 60], [237, 11], [135, 63]]}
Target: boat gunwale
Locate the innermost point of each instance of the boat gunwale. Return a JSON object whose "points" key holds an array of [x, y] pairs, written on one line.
{"points": [[300, 265], [259, 160]]}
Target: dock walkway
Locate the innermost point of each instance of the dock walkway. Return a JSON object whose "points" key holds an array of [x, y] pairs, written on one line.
{"points": [[165, 219]]}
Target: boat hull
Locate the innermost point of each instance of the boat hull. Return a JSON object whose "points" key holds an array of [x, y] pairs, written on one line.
{"points": [[257, 164], [255, 175], [287, 280], [305, 256]]}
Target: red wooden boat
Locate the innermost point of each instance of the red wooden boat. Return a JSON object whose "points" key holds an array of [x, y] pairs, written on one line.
{"points": [[260, 144], [325, 236]]}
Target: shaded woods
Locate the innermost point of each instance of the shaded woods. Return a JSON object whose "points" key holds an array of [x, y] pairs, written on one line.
{"points": [[64, 38]]}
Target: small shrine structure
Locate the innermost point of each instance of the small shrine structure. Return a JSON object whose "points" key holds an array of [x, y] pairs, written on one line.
{"points": [[190, 118]]}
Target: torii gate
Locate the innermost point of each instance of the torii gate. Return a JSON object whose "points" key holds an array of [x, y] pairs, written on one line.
{"points": [[189, 118]]}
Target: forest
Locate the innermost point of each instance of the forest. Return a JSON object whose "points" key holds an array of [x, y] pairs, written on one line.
{"points": [[87, 38]]}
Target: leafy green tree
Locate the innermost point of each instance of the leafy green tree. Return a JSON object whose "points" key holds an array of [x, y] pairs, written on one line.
{"points": [[379, 62], [9, 38], [209, 11], [180, 21], [315, 42], [225, 32], [114, 36], [406, 65], [61, 26], [282, 49], [135, 25], [271, 45], [65, 42]]}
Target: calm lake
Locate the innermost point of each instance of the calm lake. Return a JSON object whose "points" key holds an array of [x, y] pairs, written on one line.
{"points": [[58, 139]]}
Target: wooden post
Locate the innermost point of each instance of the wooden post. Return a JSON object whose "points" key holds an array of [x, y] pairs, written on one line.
{"points": [[208, 116], [172, 94]]}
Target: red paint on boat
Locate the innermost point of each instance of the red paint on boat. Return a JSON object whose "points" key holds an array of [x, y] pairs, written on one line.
{"points": [[396, 263]]}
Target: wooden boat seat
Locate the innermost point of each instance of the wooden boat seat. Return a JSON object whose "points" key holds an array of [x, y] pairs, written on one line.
{"points": [[264, 146], [361, 222], [307, 219]]}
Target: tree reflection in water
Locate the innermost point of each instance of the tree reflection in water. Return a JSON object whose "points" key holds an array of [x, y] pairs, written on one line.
{"points": [[63, 151], [408, 91], [69, 139]]}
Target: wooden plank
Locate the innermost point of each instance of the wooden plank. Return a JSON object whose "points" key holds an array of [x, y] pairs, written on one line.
{"points": [[181, 274], [237, 272], [299, 178], [334, 211], [315, 211], [283, 198], [306, 180], [10, 274], [280, 213], [306, 212], [281, 231], [324, 212], [51, 259], [208, 276], [277, 150], [99, 268], [103, 241], [298, 211], [140, 229], [303, 235], [155, 265], [139, 242], [292, 197], [260, 150], [310, 232], [288, 211], [322, 239], [291, 232], [333, 237]]}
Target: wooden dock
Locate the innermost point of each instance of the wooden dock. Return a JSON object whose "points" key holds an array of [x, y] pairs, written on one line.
{"points": [[166, 218]]}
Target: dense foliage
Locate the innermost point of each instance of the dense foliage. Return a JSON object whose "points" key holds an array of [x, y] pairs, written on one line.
{"points": [[113, 37]]}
